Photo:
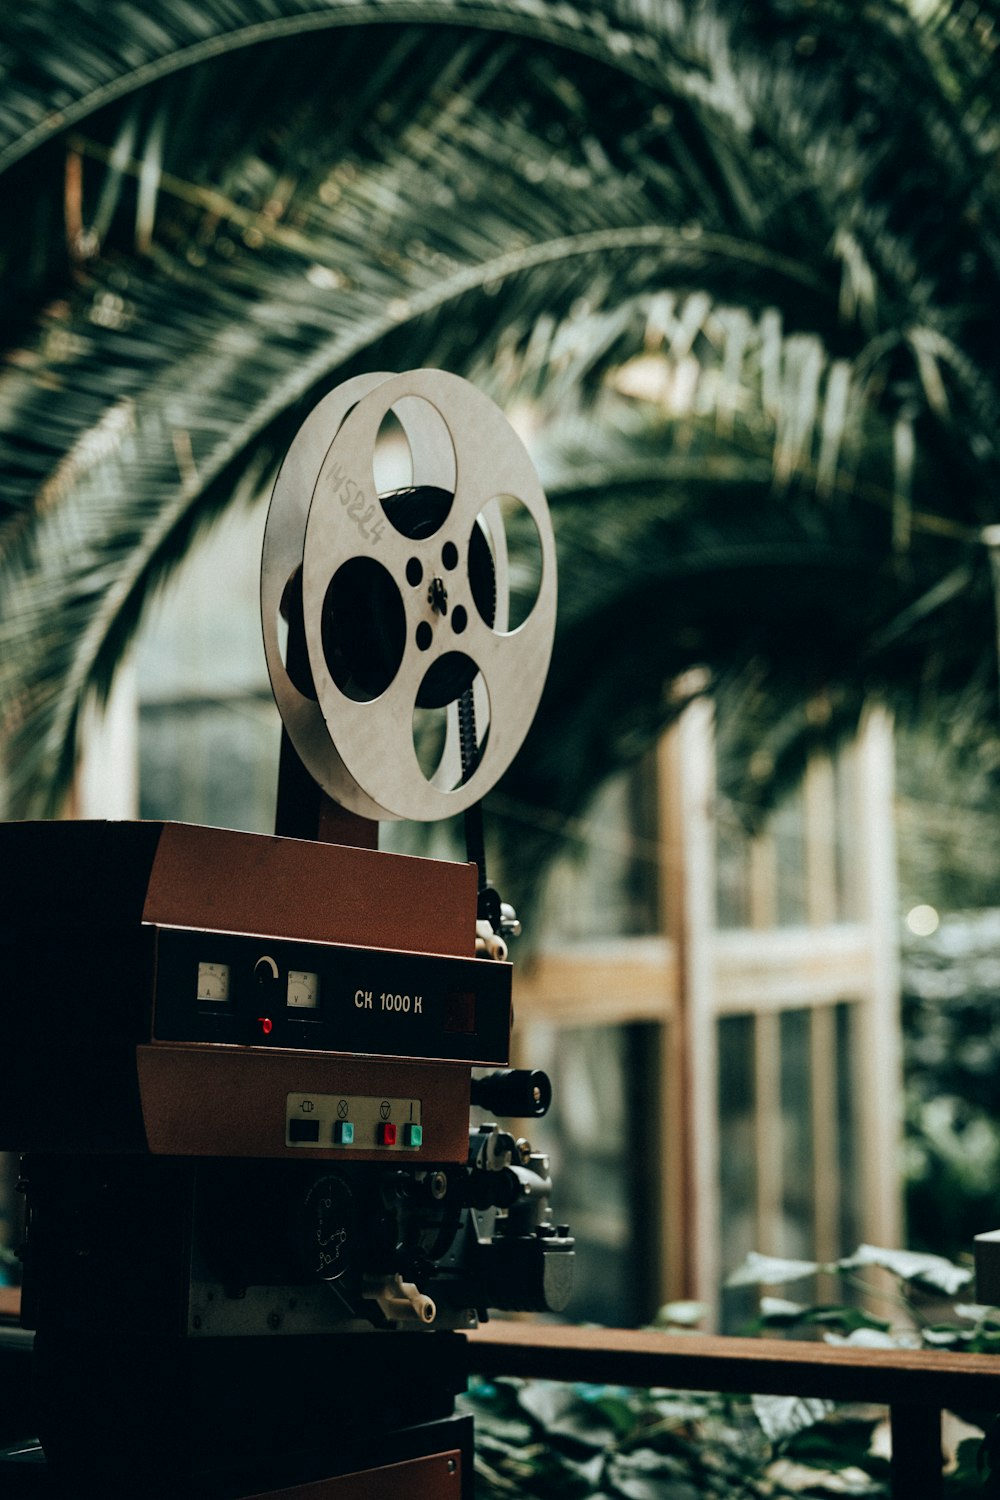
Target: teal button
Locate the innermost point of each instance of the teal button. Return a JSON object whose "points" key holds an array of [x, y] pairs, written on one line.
{"points": [[413, 1135], [343, 1133]]}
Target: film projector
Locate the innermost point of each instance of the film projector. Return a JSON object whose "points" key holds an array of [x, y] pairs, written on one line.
{"points": [[240, 1068]]}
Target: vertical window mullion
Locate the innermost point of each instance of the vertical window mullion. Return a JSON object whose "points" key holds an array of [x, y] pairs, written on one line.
{"points": [[827, 1186]]}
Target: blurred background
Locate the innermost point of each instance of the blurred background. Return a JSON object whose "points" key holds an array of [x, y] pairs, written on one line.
{"points": [[733, 271]]}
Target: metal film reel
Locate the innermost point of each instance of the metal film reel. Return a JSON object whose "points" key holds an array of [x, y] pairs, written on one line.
{"points": [[402, 598]]}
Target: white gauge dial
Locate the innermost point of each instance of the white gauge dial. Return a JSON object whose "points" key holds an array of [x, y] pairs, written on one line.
{"points": [[213, 981], [303, 989]]}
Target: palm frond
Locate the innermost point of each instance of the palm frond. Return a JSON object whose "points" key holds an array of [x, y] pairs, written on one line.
{"points": [[747, 303], [65, 61], [679, 550]]}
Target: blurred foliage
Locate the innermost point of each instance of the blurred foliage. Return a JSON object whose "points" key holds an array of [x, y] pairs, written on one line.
{"points": [[951, 1038], [739, 262], [947, 815], [538, 1439], [922, 1299]]}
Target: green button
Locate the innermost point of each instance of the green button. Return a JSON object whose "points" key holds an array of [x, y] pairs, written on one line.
{"points": [[413, 1135], [343, 1133]]}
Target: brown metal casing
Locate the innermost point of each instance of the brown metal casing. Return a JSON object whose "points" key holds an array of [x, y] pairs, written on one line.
{"points": [[65, 879], [201, 1100], [241, 882], [81, 1068]]}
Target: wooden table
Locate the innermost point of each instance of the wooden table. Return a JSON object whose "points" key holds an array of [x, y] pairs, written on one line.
{"points": [[915, 1384]]}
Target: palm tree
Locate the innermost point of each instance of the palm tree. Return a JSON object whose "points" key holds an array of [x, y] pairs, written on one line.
{"points": [[742, 262]]}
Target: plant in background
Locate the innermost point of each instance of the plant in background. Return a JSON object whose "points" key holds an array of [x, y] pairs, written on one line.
{"points": [[890, 1299], [951, 1040], [585, 1442], [737, 261], [542, 1439]]}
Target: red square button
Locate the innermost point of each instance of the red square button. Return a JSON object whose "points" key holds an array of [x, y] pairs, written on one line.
{"points": [[387, 1133]]}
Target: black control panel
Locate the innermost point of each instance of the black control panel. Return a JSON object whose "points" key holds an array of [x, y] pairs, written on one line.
{"points": [[245, 990]]}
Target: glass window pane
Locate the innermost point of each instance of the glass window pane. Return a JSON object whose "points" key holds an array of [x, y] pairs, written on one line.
{"points": [[598, 1139], [732, 868], [737, 1163], [796, 1238], [208, 729], [850, 860], [851, 1202], [606, 884], [787, 826], [211, 763]]}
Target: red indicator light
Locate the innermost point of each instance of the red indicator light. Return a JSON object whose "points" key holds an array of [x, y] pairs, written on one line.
{"points": [[266, 1024], [387, 1133]]}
